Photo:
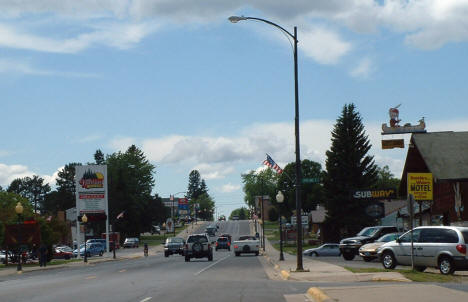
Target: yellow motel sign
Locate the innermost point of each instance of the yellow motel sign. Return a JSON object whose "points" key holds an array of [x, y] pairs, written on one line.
{"points": [[421, 186]]}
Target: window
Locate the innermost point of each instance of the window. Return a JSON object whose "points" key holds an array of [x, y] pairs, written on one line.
{"points": [[407, 237], [201, 239], [439, 236], [465, 236]]}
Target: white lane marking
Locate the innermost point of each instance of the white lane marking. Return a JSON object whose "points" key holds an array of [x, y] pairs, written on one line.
{"points": [[211, 265], [146, 299]]}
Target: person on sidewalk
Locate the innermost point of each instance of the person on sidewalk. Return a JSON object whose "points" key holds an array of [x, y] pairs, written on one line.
{"points": [[42, 255]]}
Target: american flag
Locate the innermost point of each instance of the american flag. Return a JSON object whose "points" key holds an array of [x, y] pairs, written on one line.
{"points": [[271, 163]]}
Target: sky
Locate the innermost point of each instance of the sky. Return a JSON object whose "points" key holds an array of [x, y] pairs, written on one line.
{"points": [[194, 91]]}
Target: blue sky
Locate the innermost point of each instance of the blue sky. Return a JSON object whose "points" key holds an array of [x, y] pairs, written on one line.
{"points": [[195, 91]]}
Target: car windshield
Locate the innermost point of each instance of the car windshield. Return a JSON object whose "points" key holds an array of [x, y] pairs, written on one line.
{"points": [[197, 239], [246, 238], [368, 232], [222, 239], [388, 238]]}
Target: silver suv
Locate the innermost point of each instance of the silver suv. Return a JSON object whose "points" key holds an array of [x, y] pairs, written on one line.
{"points": [[443, 247], [198, 246]]}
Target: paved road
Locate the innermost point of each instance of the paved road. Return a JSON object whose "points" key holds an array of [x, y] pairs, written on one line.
{"points": [[156, 278]]}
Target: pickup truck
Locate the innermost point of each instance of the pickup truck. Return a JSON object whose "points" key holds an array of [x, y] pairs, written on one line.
{"points": [[246, 245]]}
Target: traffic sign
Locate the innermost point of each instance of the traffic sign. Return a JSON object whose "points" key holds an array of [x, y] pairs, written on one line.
{"points": [[313, 180]]}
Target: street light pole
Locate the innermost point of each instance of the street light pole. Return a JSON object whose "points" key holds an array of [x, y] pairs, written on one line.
{"points": [[235, 19], [19, 211], [280, 199], [84, 220]]}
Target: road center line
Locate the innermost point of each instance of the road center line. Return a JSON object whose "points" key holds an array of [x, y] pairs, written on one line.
{"points": [[211, 265], [146, 299]]}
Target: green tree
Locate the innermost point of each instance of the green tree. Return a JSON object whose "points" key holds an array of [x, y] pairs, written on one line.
{"points": [[130, 182], [99, 157], [349, 167], [196, 185], [34, 189], [259, 184], [8, 202], [386, 179], [206, 209], [311, 193], [242, 213]]}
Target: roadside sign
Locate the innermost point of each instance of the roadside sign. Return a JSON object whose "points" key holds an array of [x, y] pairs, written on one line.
{"points": [[313, 180], [420, 186], [393, 143], [304, 218]]}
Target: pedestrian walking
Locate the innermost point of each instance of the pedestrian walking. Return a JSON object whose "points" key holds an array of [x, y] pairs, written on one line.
{"points": [[42, 255]]}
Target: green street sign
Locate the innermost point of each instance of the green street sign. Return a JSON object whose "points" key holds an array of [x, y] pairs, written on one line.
{"points": [[313, 180]]}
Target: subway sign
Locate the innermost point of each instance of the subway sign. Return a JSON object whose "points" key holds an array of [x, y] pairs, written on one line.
{"points": [[375, 194]]}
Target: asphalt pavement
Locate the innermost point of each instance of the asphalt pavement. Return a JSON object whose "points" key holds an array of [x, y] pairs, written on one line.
{"points": [[155, 278]]}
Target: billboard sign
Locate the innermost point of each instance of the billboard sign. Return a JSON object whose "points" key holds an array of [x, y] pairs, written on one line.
{"points": [[420, 186], [91, 189]]}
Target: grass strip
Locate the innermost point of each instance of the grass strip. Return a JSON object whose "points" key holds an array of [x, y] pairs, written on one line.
{"points": [[411, 275]]}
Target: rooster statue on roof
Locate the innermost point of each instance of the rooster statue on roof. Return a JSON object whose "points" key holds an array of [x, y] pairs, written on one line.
{"points": [[394, 116]]}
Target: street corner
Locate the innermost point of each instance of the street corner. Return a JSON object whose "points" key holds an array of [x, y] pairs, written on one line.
{"points": [[285, 275], [317, 295]]}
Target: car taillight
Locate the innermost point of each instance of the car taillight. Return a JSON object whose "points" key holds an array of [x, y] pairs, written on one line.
{"points": [[209, 245], [216, 243], [236, 246], [461, 248], [229, 244]]}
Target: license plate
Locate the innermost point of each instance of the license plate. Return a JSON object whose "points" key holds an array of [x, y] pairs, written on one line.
{"points": [[367, 253]]}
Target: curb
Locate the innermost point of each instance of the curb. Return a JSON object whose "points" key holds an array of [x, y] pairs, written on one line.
{"points": [[285, 275], [390, 279], [317, 295]]}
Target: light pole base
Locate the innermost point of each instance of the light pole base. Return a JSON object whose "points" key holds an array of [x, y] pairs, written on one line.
{"points": [[281, 257]]}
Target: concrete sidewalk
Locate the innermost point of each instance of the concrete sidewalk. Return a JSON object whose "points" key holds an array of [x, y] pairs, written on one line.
{"points": [[152, 251], [318, 271]]}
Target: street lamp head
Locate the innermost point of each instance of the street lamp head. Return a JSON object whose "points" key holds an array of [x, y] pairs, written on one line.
{"points": [[84, 219], [235, 19], [279, 197], [19, 208]]}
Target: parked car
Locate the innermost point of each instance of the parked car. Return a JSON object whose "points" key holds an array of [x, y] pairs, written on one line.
{"points": [[223, 243], [368, 252], [174, 245], [3, 257], [246, 244], [62, 253], [91, 250], [442, 247], [131, 242], [155, 229], [198, 246], [349, 247], [327, 249]]}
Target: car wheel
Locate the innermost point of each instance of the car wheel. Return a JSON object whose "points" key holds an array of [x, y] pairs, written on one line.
{"points": [[88, 254], [420, 268], [237, 254], [210, 257], [388, 260], [66, 258], [348, 256], [446, 265], [101, 253], [367, 259], [256, 253], [187, 259], [229, 249], [216, 249], [314, 254], [166, 254]]}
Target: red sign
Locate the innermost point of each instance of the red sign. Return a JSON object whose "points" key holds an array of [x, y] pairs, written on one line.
{"points": [[183, 201]]}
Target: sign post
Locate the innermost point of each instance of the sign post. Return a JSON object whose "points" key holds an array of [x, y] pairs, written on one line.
{"points": [[91, 195]]}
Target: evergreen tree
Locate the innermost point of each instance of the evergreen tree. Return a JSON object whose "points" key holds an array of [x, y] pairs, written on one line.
{"points": [[195, 189], [99, 157], [349, 167]]}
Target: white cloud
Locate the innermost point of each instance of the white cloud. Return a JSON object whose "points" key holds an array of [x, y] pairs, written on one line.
{"points": [[13, 66], [323, 45], [214, 171], [363, 69], [10, 172], [117, 35], [228, 188]]}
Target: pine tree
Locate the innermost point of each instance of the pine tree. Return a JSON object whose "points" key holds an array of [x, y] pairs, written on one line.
{"points": [[349, 167], [193, 189]]}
